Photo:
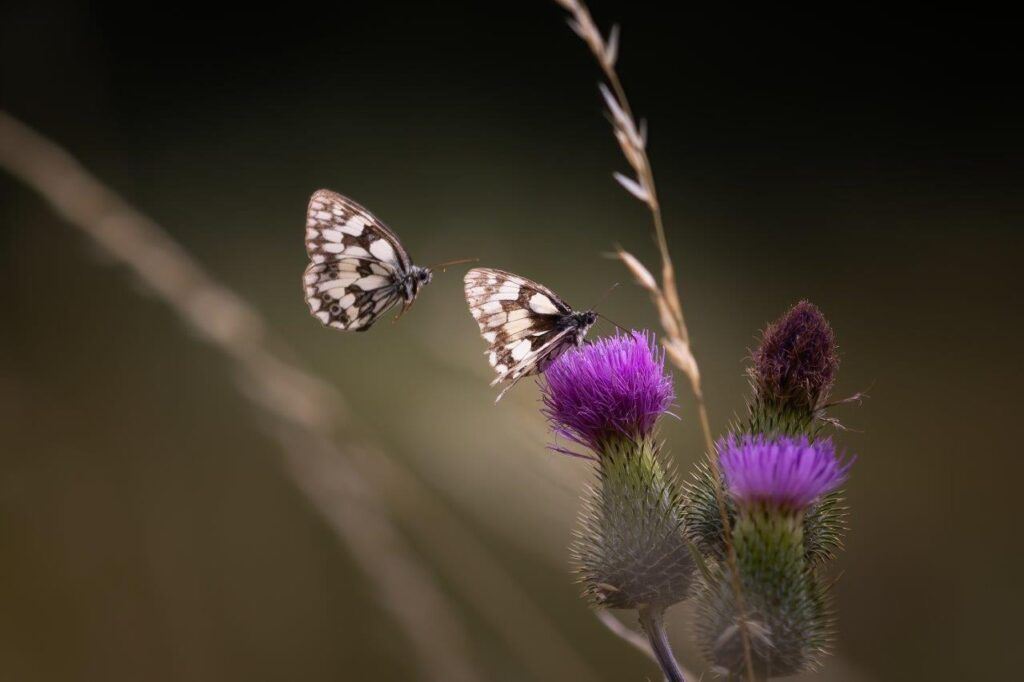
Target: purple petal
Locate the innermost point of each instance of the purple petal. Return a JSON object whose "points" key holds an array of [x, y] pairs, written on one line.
{"points": [[786, 471], [616, 386]]}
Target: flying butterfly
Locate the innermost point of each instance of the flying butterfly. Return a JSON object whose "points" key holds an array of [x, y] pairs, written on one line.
{"points": [[525, 324], [358, 267]]}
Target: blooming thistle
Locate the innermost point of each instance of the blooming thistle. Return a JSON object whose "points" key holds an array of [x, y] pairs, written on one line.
{"points": [[786, 515], [612, 389], [607, 396], [788, 473], [793, 370], [773, 481]]}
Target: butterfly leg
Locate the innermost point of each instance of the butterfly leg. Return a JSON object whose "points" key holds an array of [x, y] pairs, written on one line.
{"points": [[406, 305]]}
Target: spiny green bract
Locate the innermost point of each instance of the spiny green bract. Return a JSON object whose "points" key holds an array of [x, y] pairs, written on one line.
{"points": [[824, 522], [788, 615], [779, 419], [630, 548]]}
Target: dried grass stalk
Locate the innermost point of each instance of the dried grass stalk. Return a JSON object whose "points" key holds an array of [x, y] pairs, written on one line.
{"points": [[632, 139]]}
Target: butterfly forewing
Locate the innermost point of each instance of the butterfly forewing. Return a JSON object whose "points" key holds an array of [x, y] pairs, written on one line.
{"points": [[523, 322], [357, 263]]}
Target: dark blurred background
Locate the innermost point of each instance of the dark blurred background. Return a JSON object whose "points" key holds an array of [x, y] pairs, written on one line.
{"points": [[868, 159]]}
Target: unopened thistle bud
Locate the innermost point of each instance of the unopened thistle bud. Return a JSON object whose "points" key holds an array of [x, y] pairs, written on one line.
{"points": [[607, 397], [793, 370], [772, 483]]}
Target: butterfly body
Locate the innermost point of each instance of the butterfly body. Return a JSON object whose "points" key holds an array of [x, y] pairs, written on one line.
{"points": [[578, 323], [358, 267], [526, 325], [410, 285]]}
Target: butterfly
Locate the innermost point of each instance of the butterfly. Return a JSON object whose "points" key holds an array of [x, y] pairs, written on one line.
{"points": [[526, 324], [358, 267]]}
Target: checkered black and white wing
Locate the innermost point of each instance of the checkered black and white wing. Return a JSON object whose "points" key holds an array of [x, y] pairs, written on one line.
{"points": [[523, 322], [357, 265]]}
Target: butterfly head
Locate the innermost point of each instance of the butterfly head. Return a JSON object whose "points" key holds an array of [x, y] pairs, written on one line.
{"points": [[417, 278], [421, 275], [581, 322]]}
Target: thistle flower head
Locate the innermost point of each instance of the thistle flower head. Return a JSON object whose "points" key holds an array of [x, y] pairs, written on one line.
{"points": [[796, 361], [784, 471], [616, 386]]}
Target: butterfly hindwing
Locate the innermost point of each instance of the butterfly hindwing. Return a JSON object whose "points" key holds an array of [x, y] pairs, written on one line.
{"points": [[357, 267], [347, 299], [525, 324]]}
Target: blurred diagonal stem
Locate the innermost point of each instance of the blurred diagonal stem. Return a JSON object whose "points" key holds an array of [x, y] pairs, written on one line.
{"points": [[298, 403], [345, 487], [632, 139]]}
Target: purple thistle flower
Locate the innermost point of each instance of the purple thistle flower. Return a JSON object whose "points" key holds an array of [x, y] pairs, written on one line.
{"points": [[616, 386], [785, 471], [797, 361]]}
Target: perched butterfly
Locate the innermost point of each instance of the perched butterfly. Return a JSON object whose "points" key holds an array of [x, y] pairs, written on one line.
{"points": [[359, 268], [525, 323]]}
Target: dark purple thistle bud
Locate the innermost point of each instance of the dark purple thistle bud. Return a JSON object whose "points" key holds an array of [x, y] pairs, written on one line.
{"points": [[615, 387], [784, 472], [796, 362]]}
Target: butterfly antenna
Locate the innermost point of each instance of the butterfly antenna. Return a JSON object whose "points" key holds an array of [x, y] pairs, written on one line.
{"points": [[443, 266], [620, 327], [605, 295], [605, 317]]}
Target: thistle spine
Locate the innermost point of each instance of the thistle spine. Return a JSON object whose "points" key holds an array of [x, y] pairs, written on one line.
{"points": [[630, 549]]}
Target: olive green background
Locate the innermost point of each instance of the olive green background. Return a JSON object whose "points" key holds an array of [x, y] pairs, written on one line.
{"points": [[868, 162]]}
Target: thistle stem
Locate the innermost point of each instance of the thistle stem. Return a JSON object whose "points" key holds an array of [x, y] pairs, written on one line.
{"points": [[652, 620]]}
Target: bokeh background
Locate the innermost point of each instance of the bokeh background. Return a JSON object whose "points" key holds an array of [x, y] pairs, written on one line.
{"points": [[869, 160]]}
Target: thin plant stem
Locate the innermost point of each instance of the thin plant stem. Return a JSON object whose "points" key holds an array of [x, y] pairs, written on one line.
{"points": [[632, 139], [639, 642], [667, 270], [652, 620]]}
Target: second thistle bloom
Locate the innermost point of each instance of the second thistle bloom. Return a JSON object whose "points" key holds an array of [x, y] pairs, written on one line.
{"points": [[773, 481], [614, 387], [790, 472]]}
